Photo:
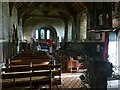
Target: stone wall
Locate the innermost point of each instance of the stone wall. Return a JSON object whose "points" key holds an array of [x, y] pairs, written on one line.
{"points": [[5, 20], [6, 27], [4, 31], [1, 20], [87, 48]]}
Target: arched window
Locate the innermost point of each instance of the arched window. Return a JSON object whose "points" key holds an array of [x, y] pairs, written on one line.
{"points": [[48, 34], [69, 36], [42, 34], [36, 34], [83, 26]]}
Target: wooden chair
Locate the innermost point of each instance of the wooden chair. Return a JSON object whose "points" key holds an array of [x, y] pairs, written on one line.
{"points": [[72, 65]]}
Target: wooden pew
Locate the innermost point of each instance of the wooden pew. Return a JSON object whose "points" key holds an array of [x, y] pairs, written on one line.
{"points": [[26, 76], [56, 75], [20, 62], [42, 55], [20, 57], [11, 77], [39, 62], [35, 55], [30, 72], [32, 76]]}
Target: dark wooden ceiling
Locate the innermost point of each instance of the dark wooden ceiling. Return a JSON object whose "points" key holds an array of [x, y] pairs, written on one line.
{"points": [[64, 9]]}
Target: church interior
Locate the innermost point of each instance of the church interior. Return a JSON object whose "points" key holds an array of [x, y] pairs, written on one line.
{"points": [[59, 45]]}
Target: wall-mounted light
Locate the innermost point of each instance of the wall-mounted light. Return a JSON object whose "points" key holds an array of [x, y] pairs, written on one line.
{"points": [[116, 23]]}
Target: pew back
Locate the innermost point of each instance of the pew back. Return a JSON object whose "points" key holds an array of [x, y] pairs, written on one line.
{"points": [[26, 76]]}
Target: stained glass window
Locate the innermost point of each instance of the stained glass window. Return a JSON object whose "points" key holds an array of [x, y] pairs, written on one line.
{"points": [[48, 34], [42, 34], [83, 26], [36, 34]]}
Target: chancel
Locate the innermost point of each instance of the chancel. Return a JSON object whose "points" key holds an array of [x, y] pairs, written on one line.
{"points": [[59, 45]]}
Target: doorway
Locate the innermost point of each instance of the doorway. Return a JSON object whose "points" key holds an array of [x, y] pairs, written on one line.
{"points": [[112, 50]]}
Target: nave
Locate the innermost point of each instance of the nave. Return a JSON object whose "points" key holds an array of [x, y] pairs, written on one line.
{"points": [[42, 44], [37, 70]]}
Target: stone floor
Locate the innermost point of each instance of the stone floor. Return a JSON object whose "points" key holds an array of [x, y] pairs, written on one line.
{"points": [[113, 85], [71, 81]]}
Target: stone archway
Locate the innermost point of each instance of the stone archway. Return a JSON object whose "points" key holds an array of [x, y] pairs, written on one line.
{"points": [[43, 30], [45, 33]]}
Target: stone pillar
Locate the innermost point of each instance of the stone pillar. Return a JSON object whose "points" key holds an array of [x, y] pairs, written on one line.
{"points": [[4, 31], [1, 52], [119, 39], [0, 20], [20, 35], [91, 14], [66, 35], [119, 51], [1, 48], [66, 31], [74, 29]]}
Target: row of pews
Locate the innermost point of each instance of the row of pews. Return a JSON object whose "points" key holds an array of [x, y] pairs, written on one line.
{"points": [[64, 56], [33, 69]]}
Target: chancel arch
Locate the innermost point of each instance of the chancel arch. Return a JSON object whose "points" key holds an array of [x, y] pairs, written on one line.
{"points": [[45, 33]]}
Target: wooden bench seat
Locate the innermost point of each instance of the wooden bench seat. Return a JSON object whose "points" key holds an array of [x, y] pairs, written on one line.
{"points": [[28, 62], [32, 55], [30, 71], [25, 78], [20, 57], [7, 83], [30, 76], [40, 80]]}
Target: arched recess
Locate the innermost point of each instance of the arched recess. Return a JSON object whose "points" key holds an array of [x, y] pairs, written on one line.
{"points": [[82, 25], [69, 34], [44, 33]]}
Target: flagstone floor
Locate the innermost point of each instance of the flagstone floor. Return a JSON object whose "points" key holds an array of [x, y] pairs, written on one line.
{"points": [[71, 81]]}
